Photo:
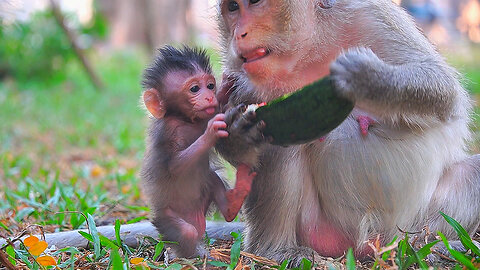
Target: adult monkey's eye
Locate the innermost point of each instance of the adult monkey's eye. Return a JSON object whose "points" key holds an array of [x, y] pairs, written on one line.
{"points": [[232, 6], [194, 89], [211, 86], [254, 1]]}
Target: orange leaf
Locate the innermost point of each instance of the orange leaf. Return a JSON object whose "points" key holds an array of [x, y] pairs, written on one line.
{"points": [[97, 171], [38, 248], [136, 260], [30, 241], [46, 260], [126, 189]]}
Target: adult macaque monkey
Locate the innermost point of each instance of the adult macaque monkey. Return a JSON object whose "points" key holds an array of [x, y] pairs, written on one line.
{"points": [[176, 175], [336, 193]]}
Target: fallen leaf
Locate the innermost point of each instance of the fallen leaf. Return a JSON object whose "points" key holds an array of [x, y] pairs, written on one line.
{"points": [[136, 260], [126, 189], [30, 241], [37, 248], [46, 260], [97, 171]]}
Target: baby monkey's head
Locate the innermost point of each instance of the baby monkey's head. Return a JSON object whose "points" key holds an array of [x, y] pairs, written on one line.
{"points": [[180, 82]]}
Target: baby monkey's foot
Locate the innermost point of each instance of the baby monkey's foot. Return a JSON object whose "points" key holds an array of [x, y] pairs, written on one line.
{"points": [[237, 195]]}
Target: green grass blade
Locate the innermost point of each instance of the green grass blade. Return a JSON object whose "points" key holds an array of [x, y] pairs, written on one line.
{"points": [[116, 260], [460, 257], [21, 254], [416, 258], [86, 235], [386, 255], [158, 250], [462, 234], [5, 227], [137, 219], [117, 232], [425, 250], [174, 266], [351, 264], [104, 241], [235, 250], [306, 264], [11, 254], [284, 265], [95, 237]]}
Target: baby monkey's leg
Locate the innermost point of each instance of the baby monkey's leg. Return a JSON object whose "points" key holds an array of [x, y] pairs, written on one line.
{"points": [[174, 228], [230, 201]]}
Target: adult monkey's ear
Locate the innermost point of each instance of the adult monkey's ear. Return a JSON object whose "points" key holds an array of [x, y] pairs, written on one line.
{"points": [[326, 4], [154, 103]]}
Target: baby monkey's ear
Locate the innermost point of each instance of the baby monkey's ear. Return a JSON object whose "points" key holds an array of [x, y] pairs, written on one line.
{"points": [[325, 4], [154, 103]]}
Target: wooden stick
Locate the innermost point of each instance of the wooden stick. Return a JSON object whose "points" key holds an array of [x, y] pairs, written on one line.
{"points": [[130, 234], [57, 13], [5, 261]]}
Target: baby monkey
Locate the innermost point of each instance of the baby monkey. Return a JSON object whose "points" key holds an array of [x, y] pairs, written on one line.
{"points": [[176, 175]]}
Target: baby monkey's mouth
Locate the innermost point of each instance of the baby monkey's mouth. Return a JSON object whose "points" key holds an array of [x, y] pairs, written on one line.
{"points": [[254, 55]]}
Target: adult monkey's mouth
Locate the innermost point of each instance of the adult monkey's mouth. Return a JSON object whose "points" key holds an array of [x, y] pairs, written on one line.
{"points": [[254, 55]]}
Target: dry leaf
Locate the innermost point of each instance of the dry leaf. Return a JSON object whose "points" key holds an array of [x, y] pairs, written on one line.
{"points": [[126, 189], [30, 241], [136, 260], [37, 248], [46, 260], [97, 171]]}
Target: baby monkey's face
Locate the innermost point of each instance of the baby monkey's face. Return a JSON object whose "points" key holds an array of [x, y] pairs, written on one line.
{"points": [[195, 93]]}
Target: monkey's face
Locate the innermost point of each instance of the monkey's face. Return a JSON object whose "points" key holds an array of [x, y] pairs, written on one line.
{"points": [[192, 95], [258, 39]]}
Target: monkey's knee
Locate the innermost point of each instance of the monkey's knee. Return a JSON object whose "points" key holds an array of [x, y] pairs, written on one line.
{"points": [[183, 233], [457, 195], [189, 233]]}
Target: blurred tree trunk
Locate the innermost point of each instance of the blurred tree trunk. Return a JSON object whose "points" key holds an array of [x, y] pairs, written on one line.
{"points": [[151, 23]]}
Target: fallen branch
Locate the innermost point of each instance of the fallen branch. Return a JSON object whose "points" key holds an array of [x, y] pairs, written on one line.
{"points": [[130, 234]]}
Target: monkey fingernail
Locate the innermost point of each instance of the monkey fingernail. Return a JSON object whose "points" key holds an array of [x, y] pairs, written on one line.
{"points": [[242, 108]]}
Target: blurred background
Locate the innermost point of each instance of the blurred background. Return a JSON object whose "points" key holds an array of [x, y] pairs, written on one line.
{"points": [[70, 75]]}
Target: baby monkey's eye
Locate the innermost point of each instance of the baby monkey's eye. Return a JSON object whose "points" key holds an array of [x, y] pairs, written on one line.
{"points": [[211, 86], [254, 1], [195, 89], [232, 6]]}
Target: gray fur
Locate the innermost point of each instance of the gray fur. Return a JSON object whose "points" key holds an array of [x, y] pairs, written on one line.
{"points": [[412, 164]]}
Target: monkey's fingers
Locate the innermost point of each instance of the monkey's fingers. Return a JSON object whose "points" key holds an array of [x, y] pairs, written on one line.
{"points": [[233, 114], [222, 134], [219, 117], [219, 125]]}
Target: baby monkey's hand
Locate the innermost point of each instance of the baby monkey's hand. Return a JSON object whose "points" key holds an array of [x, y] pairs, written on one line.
{"points": [[215, 130]]}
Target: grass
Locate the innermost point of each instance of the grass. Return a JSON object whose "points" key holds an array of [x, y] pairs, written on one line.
{"points": [[70, 153]]}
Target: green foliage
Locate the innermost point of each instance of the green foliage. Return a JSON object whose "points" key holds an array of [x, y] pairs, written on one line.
{"points": [[351, 264], [35, 49], [469, 259], [235, 250], [38, 50]]}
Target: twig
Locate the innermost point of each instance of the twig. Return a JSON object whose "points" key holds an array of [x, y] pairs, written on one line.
{"points": [[5, 261], [57, 13], [443, 256]]}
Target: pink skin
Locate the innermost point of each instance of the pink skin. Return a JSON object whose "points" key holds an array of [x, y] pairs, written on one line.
{"points": [[327, 240], [237, 195], [365, 123]]}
